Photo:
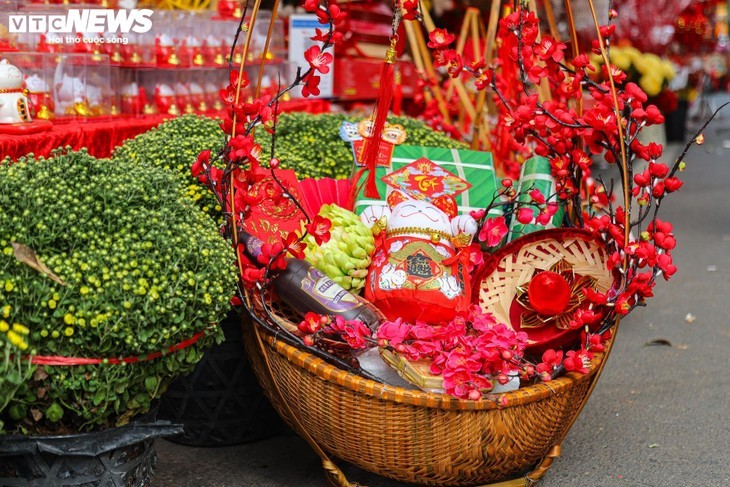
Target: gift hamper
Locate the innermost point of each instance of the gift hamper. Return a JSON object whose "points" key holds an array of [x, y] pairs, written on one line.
{"points": [[428, 321]]}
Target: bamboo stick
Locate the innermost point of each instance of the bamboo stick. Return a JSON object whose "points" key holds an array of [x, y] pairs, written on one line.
{"points": [[417, 59], [480, 130], [431, 72], [550, 14]]}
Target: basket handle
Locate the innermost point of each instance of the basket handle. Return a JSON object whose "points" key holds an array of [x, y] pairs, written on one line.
{"points": [[335, 476], [543, 467]]}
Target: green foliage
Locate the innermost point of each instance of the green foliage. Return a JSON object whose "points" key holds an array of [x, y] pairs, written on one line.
{"points": [[14, 371], [311, 144], [174, 145], [143, 269]]}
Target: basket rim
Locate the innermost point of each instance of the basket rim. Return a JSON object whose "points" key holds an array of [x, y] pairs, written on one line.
{"points": [[329, 373]]}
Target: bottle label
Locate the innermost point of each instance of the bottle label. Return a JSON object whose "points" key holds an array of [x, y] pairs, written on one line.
{"points": [[329, 294]]}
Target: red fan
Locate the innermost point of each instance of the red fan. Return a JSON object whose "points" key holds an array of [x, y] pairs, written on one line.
{"points": [[325, 191]]}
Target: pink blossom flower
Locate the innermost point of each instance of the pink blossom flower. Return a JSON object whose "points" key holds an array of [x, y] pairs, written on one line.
{"points": [[493, 231], [393, 332]]}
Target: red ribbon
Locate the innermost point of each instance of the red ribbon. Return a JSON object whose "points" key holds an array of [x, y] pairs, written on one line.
{"points": [[57, 360]]}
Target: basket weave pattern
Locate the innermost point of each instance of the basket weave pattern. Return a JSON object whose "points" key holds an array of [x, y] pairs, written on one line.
{"points": [[584, 255], [413, 436]]}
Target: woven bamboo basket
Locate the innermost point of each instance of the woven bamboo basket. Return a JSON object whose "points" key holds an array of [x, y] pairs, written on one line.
{"points": [[413, 436]]}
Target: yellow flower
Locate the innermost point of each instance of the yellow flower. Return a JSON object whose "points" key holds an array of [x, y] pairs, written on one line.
{"points": [[6, 311], [68, 331], [620, 60], [669, 71], [9, 286], [4, 326], [17, 340], [23, 330], [632, 53], [69, 319], [649, 63], [652, 85], [52, 304]]}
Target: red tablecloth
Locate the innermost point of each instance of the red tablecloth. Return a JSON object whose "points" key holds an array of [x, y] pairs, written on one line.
{"points": [[100, 138]]}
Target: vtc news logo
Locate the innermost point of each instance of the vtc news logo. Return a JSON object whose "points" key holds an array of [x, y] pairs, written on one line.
{"points": [[84, 20]]}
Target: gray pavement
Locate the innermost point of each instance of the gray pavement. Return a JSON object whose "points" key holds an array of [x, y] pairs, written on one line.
{"points": [[659, 415]]}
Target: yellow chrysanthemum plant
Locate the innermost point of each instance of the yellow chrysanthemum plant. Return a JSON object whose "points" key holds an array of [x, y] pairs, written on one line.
{"points": [[651, 72]]}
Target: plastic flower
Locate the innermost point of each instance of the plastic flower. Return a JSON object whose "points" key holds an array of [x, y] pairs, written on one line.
{"points": [[354, 332], [311, 85], [294, 245], [464, 385], [272, 255], [493, 231], [318, 60], [549, 48], [524, 215], [411, 9], [393, 332], [320, 229], [439, 39], [550, 361], [577, 361], [244, 147], [311, 5], [312, 323], [336, 15]]}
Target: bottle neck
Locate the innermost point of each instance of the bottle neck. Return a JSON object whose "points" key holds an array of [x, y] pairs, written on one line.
{"points": [[251, 245]]}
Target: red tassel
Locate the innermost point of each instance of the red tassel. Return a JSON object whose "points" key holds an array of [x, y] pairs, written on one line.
{"points": [[355, 189], [380, 115]]}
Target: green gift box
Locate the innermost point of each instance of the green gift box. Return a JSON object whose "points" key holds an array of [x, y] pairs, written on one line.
{"points": [[536, 173], [474, 167]]}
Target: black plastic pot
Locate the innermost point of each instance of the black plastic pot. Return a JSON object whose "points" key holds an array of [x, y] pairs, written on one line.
{"points": [[221, 402], [676, 122], [117, 457]]}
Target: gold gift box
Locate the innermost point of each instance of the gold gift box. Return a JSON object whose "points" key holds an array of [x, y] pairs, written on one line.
{"points": [[417, 372]]}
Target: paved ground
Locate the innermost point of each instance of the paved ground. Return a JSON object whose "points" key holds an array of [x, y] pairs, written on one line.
{"points": [[659, 415]]}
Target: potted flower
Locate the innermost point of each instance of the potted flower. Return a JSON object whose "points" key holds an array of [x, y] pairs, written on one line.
{"points": [[210, 400], [113, 283]]}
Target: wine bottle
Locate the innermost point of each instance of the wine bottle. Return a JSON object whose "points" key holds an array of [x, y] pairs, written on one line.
{"points": [[305, 288]]}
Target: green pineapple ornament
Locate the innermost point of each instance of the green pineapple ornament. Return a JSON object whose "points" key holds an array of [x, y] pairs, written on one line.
{"points": [[346, 256]]}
